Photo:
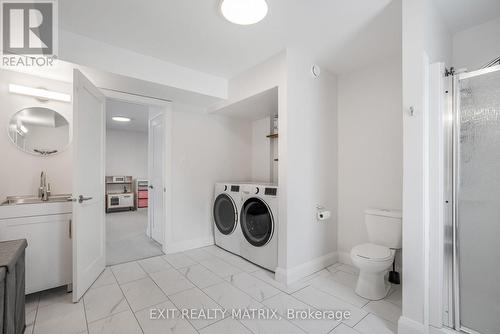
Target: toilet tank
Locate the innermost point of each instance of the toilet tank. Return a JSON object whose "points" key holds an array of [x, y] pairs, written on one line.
{"points": [[384, 227]]}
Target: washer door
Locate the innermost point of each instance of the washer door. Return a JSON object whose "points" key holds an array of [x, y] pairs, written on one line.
{"points": [[225, 214], [257, 222]]}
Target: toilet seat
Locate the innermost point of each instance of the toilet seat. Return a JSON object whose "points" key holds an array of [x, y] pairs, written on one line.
{"points": [[372, 252]]}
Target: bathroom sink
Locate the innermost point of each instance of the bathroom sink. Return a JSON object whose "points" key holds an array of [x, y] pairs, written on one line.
{"points": [[17, 200]]}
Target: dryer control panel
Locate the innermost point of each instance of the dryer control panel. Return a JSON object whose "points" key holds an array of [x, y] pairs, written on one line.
{"points": [[271, 191]]}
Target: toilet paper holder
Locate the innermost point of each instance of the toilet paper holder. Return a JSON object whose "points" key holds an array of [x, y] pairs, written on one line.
{"points": [[322, 214]]}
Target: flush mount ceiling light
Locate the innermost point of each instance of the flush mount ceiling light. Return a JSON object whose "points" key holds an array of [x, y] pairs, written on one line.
{"points": [[120, 119], [244, 12], [39, 93]]}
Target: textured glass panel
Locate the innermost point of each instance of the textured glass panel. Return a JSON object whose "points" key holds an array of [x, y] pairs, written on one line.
{"points": [[479, 203]]}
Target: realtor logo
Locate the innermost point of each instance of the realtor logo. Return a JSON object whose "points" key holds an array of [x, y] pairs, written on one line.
{"points": [[28, 28]]}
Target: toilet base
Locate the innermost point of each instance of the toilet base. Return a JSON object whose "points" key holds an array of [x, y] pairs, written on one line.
{"points": [[373, 286]]}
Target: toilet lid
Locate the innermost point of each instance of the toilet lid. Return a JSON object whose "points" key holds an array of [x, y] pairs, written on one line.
{"points": [[372, 252]]}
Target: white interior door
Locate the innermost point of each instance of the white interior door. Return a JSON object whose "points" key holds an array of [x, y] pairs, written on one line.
{"points": [[88, 184], [157, 178]]}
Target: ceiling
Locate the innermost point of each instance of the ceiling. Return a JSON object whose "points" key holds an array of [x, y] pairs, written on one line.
{"points": [[189, 33], [463, 14], [137, 112], [341, 34], [346, 35], [256, 107]]}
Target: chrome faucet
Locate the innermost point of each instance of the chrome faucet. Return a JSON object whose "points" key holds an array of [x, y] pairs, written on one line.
{"points": [[44, 190]]}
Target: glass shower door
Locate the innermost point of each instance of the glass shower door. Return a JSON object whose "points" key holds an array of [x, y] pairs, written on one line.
{"points": [[477, 211]]}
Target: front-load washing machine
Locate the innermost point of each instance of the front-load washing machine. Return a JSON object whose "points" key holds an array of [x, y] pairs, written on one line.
{"points": [[226, 210], [259, 225]]}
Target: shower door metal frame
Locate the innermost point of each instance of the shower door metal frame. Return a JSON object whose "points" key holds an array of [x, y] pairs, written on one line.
{"points": [[455, 176]]}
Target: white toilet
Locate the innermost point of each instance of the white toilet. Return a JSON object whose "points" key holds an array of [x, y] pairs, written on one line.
{"points": [[375, 258]]}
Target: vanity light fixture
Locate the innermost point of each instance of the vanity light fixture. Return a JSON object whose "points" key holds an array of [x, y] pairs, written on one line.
{"points": [[244, 12], [121, 119], [39, 93]]}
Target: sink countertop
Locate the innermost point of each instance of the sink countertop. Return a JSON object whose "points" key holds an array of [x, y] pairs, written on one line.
{"points": [[33, 209], [30, 199]]}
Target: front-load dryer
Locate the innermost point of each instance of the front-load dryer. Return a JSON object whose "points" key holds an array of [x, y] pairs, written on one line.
{"points": [[226, 208], [259, 225]]}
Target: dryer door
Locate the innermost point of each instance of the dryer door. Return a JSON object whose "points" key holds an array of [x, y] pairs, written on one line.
{"points": [[225, 214], [257, 222]]}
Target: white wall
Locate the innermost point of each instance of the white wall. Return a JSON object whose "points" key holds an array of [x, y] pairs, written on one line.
{"points": [[309, 133], [425, 298], [477, 46], [261, 151], [437, 38], [307, 158], [19, 171], [307, 147], [127, 153], [267, 75], [370, 148], [206, 149], [425, 40]]}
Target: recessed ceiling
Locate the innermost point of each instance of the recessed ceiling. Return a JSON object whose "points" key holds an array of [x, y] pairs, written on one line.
{"points": [[138, 113], [341, 34], [463, 14]]}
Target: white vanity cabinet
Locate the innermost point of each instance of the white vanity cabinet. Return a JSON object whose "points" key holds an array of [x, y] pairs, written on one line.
{"points": [[47, 228]]}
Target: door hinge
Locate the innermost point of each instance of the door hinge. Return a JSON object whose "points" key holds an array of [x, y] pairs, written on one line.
{"points": [[449, 72], [70, 230]]}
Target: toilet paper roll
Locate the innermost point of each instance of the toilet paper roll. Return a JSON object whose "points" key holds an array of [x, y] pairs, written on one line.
{"points": [[324, 214]]}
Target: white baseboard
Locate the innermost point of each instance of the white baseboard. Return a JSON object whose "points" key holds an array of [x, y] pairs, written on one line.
{"points": [[409, 326], [291, 275], [443, 330], [345, 258], [185, 245]]}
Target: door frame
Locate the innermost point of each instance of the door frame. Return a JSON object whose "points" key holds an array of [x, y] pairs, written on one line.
{"points": [[164, 107], [158, 113]]}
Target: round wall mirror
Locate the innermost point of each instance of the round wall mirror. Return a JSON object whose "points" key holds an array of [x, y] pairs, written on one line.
{"points": [[39, 131]]}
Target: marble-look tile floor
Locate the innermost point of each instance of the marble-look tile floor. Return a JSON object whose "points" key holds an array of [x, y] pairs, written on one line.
{"points": [[121, 299]]}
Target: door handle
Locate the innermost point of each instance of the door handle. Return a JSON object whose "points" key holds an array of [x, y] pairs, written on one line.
{"points": [[81, 199]]}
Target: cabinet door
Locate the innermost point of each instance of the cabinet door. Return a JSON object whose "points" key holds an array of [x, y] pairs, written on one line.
{"points": [[48, 256]]}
